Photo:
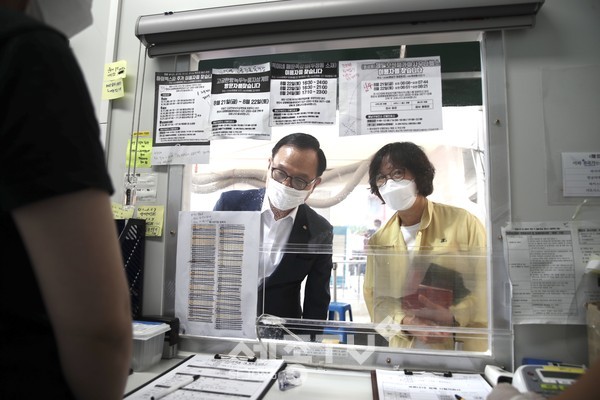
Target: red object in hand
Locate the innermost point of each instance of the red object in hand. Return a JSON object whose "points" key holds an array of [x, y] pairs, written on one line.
{"points": [[437, 295]]}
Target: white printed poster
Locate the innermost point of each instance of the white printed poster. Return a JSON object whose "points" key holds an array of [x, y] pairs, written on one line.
{"points": [[546, 263], [240, 102], [581, 174], [303, 93], [216, 283], [182, 106], [390, 96]]}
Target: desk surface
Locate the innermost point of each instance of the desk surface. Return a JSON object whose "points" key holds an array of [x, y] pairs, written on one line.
{"points": [[319, 383]]}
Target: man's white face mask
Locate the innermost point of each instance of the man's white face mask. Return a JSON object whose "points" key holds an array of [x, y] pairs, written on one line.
{"points": [[283, 197], [68, 16]]}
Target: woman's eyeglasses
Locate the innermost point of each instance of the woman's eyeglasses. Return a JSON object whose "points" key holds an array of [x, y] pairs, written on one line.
{"points": [[396, 175]]}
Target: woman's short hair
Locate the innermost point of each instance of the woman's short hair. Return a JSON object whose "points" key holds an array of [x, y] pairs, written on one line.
{"points": [[404, 155]]}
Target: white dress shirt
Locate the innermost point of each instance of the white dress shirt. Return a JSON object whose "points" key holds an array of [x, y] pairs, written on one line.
{"points": [[275, 235]]}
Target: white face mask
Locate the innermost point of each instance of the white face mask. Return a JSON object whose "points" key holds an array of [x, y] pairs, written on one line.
{"points": [[68, 16], [284, 197], [399, 195]]}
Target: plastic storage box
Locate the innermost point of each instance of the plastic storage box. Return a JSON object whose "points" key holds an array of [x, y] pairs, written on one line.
{"points": [[148, 340]]}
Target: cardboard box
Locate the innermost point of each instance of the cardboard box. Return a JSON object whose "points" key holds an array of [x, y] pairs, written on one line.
{"points": [[148, 339], [593, 331]]}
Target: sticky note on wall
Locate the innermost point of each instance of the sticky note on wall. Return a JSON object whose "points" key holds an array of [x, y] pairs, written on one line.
{"points": [[154, 216], [120, 212], [113, 82], [140, 150], [112, 89]]}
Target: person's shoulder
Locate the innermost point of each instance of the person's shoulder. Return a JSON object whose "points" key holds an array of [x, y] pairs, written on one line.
{"points": [[450, 209], [16, 24], [254, 194], [240, 200], [26, 44], [456, 213], [13, 22]]}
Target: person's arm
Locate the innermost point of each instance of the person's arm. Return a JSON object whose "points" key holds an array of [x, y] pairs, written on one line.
{"points": [[586, 387], [73, 245], [368, 286]]}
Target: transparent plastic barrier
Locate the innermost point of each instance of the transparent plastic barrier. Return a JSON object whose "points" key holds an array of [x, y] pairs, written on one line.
{"points": [[390, 282], [436, 299]]}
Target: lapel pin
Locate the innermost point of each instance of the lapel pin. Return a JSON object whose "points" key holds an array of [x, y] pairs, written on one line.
{"points": [[304, 227]]}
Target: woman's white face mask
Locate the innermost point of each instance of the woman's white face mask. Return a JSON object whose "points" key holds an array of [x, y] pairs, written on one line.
{"points": [[284, 197], [399, 195]]}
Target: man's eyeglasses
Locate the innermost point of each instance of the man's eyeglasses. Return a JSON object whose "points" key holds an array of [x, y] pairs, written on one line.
{"points": [[297, 183], [396, 175]]}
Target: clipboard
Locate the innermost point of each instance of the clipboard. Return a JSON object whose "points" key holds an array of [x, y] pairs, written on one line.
{"points": [[221, 374], [374, 386], [392, 384]]}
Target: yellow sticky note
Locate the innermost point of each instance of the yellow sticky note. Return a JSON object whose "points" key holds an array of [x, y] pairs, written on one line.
{"points": [[154, 216], [140, 150], [115, 70], [119, 212], [112, 89]]}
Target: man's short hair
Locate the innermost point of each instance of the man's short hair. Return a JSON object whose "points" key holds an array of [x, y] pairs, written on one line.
{"points": [[303, 141]]}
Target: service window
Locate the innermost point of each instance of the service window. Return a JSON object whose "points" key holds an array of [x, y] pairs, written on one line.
{"points": [[376, 284]]}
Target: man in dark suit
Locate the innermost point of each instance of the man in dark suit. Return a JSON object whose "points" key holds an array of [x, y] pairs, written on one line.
{"points": [[296, 241]]}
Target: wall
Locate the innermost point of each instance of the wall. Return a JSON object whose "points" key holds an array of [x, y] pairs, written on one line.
{"points": [[112, 38], [566, 36], [93, 48]]}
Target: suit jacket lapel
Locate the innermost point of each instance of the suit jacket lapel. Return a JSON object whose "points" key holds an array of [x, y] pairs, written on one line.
{"points": [[300, 233]]}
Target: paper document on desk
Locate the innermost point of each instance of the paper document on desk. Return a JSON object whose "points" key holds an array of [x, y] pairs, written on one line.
{"points": [[228, 377], [421, 385]]}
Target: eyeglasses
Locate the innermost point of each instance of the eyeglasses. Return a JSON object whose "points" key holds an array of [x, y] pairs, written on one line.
{"points": [[396, 175], [297, 183]]}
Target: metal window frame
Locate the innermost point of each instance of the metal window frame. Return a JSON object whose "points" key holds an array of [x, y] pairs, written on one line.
{"points": [[501, 336], [295, 21]]}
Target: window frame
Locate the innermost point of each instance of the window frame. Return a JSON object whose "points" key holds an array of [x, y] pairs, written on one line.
{"points": [[498, 195]]}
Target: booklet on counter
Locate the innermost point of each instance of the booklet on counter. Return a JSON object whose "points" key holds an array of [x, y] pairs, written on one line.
{"points": [[218, 376]]}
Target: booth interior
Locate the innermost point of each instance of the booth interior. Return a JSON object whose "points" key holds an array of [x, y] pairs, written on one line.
{"points": [[207, 142]]}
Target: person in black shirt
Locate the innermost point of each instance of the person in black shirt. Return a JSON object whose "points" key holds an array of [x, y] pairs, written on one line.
{"points": [[65, 313]]}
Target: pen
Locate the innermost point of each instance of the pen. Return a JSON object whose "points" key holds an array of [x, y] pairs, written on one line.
{"points": [[186, 381], [459, 397]]}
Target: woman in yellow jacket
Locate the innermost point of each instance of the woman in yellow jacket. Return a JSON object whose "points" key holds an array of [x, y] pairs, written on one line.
{"points": [[426, 267]]}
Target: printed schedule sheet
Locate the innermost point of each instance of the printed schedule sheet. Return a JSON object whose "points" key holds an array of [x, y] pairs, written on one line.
{"points": [[546, 263], [216, 281]]}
